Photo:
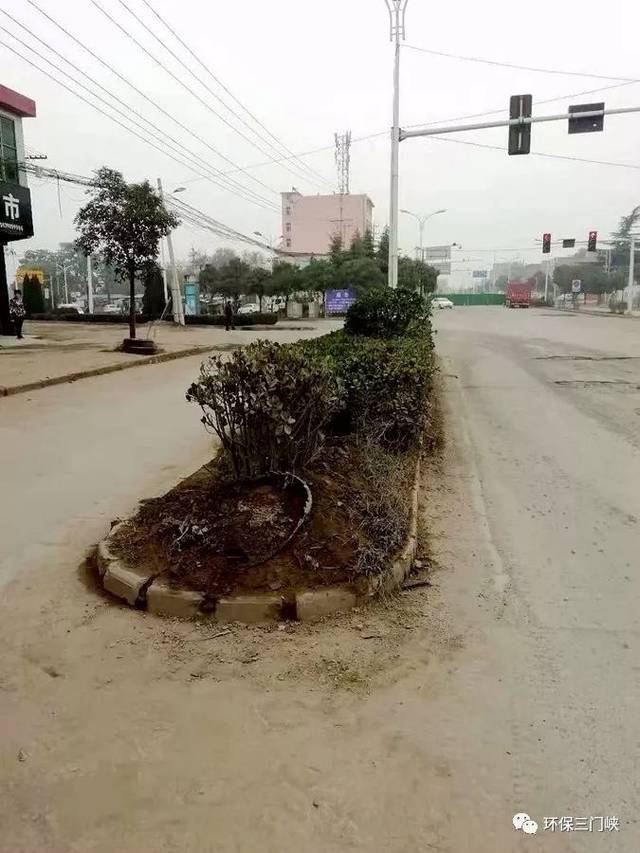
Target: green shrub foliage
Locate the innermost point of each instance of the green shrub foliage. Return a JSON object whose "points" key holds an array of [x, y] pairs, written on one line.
{"points": [[386, 313], [268, 404], [386, 384], [239, 320], [32, 295], [71, 315]]}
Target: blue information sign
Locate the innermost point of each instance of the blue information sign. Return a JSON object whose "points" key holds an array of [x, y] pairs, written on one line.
{"points": [[339, 301]]}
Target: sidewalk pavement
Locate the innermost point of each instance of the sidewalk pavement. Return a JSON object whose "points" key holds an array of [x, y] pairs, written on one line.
{"points": [[596, 311], [55, 352]]}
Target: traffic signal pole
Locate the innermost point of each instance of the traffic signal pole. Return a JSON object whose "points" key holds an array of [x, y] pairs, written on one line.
{"points": [[546, 281], [581, 118], [514, 122]]}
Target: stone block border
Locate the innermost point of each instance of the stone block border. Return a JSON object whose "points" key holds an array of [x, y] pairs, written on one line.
{"points": [[153, 593]]}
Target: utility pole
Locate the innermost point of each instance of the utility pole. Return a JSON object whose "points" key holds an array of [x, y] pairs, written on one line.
{"points": [[343, 164], [66, 284], [176, 296], [632, 259], [547, 275], [397, 12], [343, 161], [164, 273], [89, 284]]}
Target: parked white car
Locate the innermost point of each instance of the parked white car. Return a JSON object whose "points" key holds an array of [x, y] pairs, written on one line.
{"points": [[441, 302], [249, 308]]}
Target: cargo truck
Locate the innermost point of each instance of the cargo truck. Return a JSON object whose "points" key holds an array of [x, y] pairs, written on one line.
{"points": [[518, 295]]}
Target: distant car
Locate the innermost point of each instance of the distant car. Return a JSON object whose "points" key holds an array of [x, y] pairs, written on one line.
{"points": [[250, 308], [441, 302], [110, 308], [68, 308]]}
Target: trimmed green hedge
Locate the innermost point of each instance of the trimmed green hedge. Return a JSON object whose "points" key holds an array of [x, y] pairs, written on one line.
{"points": [[63, 317], [190, 320], [271, 405], [386, 314], [238, 320], [386, 383]]}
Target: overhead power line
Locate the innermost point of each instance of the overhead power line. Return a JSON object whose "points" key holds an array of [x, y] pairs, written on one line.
{"points": [[516, 66], [212, 173], [111, 117], [180, 82], [157, 106], [219, 82], [186, 211], [82, 98], [499, 111], [298, 173], [202, 219], [56, 174], [538, 153]]}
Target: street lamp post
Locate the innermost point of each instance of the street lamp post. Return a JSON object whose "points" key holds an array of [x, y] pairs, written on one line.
{"points": [[422, 221]]}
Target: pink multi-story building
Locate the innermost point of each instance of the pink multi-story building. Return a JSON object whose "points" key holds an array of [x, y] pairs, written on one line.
{"points": [[309, 222]]}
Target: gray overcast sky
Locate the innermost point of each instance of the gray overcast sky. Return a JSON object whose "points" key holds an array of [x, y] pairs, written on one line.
{"points": [[308, 69]]}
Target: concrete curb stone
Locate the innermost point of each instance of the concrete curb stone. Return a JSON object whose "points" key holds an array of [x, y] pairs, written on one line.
{"points": [[163, 600], [314, 604], [250, 609], [310, 604], [124, 582]]}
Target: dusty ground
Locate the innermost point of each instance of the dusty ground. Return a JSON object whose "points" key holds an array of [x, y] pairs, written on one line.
{"points": [[58, 349], [127, 732], [424, 723]]}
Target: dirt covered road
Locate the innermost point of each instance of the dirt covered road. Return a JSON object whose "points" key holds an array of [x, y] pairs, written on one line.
{"points": [[423, 723]]}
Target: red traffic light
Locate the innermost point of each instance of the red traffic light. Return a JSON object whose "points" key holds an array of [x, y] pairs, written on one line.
{"points": [[546, 243], [592, 242]]}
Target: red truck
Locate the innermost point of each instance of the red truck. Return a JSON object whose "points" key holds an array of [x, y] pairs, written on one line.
{"points": [[518, 295]]}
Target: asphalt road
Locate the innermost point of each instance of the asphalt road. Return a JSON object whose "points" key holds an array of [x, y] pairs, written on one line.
{"points": [[547, 406]]}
